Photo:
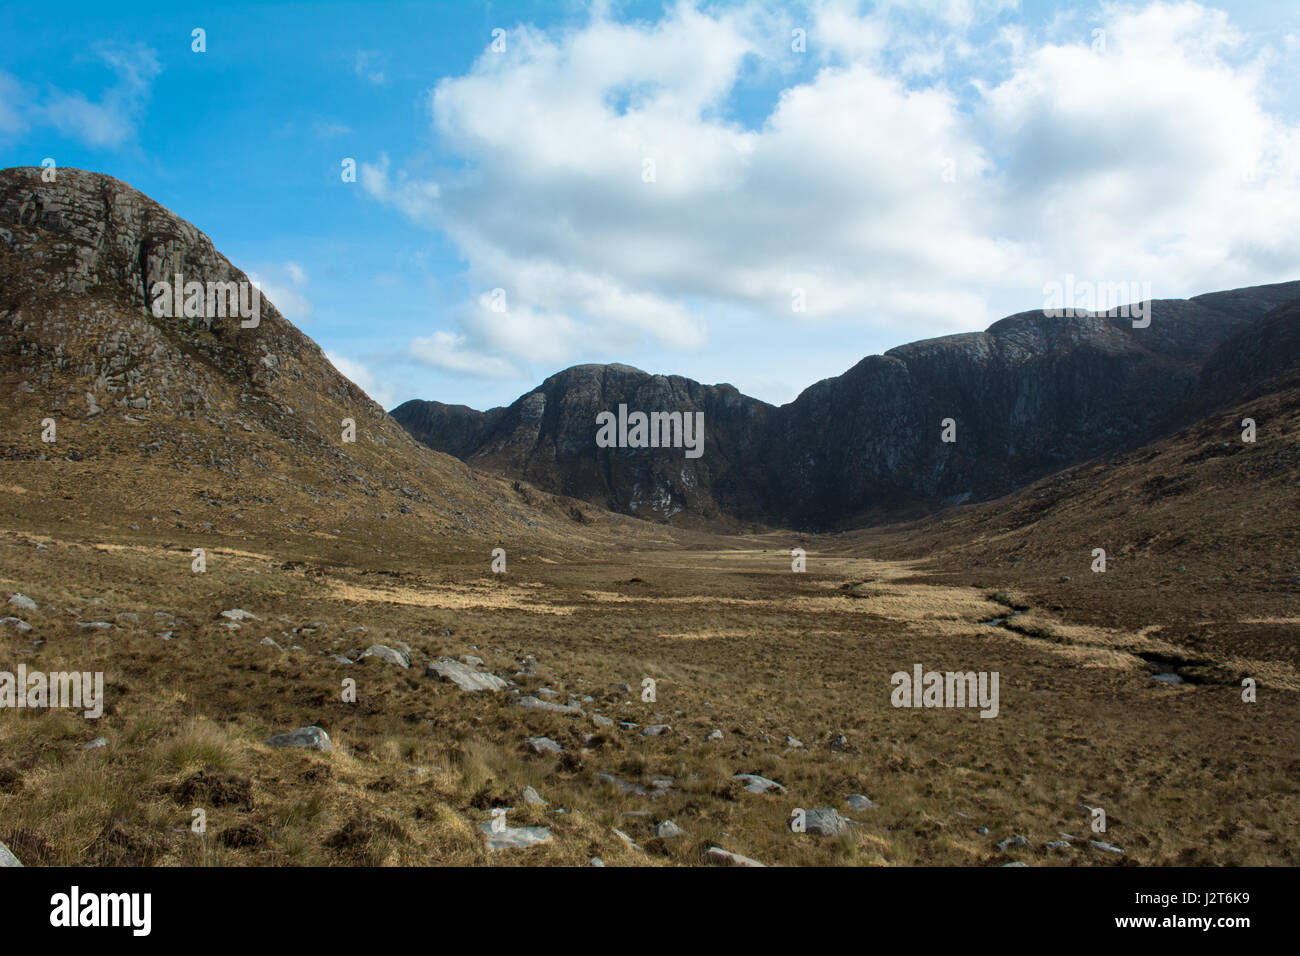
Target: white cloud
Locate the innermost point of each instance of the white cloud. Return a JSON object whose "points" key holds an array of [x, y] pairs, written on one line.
{"points": [[381, 390], [367, 65], [110, 121], [1153, 159], [285, 285], [449, 352]]}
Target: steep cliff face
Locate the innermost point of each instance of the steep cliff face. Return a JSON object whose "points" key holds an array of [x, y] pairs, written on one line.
{"points": [[1030, 395], [548, 437]]}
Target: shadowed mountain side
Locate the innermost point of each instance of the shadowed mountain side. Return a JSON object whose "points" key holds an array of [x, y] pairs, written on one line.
{"points": [[1029, 396]]}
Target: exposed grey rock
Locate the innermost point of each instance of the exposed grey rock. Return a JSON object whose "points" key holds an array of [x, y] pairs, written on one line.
{"points": [[626, 839], [340, 659], [514, 838], [721, 857], [270, 642], [471, 660], [95, 625], [22, 601], [714, 734], [860, 801], [312, 737], [823, 822], [1057, 845], [839, 742], [530, 795], [1016, 863], [389, 655], [543, 745], [756, 784], [656, 730], [463, 676], [624, 785], [1012, 843], [16, 623], [7, 858], [238, 614], [596, 861], [794, 743], [532, 703], [96, 744], [547, 693], [1106, 847], [602, 721], [667, 830]]}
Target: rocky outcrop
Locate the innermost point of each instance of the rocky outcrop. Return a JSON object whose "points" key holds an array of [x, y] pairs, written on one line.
{"points": [[1030, 395], [204, 402]]}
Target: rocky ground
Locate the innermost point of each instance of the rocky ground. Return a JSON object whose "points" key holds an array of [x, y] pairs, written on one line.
{"points": [[518, 698]]}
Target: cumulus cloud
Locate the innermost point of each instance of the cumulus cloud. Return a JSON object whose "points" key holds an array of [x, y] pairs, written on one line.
{"points": [[607, 188]]}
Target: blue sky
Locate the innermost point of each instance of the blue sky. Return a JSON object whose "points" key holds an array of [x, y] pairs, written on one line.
{"points": [[676, 186]]}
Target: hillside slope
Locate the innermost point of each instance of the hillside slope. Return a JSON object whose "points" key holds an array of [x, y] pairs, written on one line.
{"points": [[199, 423]]}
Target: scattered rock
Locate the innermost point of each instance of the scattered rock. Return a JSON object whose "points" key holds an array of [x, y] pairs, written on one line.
{"points": [[714, 734], [1012, 843], [7, 858], [793, 743], [602, 721], [721, 857], [514, 838], [1106, 847], [756, 784], [626, 839], [238, 614], [543, 745], [22, 601], [96, 744], [388, 654], [656, 730], [313, 737], [270, 642], [464, 676], [471, 660], [823, 822], [860, 801], [596, 861], [530, 795], [667, 830], [532, 703], [17, 623], [839, 742]]}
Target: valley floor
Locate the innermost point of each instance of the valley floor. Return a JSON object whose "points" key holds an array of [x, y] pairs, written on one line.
{"points": [[778, 662]]}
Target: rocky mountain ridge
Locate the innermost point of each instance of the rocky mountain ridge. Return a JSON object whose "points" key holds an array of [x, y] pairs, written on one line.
{"points": [[1030, 395]]}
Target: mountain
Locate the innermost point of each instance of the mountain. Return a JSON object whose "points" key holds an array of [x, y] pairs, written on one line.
{"points": [[1030, 395], [232, 425]]}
